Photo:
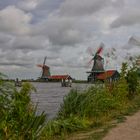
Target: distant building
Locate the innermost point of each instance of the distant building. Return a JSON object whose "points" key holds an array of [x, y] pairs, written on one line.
{"points": [[110, 75]]}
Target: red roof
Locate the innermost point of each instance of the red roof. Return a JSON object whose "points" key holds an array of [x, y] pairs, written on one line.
{"points": [[59, 77], [106, 74]]}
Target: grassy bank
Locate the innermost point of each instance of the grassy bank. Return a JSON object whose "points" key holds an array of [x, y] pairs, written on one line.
{"points": [[88, 112]]}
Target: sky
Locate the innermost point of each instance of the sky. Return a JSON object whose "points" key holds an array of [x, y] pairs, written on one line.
{"points": [[67, 32]]}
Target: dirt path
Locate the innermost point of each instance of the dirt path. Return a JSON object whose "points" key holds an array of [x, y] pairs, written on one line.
{"points": [[129, 130]]}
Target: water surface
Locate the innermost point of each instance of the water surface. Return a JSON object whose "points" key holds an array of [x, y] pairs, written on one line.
{"points": [[49, 96]]}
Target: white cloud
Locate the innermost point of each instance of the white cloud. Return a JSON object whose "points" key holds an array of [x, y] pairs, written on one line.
{"points": [[87, 7], [28, 4], [14, 21]]}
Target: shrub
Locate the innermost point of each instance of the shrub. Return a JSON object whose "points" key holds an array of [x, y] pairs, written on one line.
{"points": [[132, 80], [18, 118], [95, 102]]}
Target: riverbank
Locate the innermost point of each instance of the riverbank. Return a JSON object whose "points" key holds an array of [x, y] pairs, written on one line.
{"points": [[125, 127], [95, 128]]}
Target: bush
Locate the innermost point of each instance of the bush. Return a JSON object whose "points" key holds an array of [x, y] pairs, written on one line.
{"points": [[18, 118], [132, 80], [94, 103]]}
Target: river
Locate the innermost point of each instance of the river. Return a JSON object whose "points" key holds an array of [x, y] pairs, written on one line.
{"points": [[49, 96]]}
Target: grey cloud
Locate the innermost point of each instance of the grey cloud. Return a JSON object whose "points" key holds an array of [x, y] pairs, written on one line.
{"points": [[52, 57], [46, 7], [134, 41], [132, 44], [62, 31], [16, 58], [28, 43], [118, 3], [80, 8], [6, 3], [11, 60], [75, 62], [87, 7], [4, 38], [123, 53], [129, 17], [57, 65], [15, 64]]}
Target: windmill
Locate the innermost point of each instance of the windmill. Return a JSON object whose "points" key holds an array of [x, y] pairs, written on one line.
{"points": [[98, 65], [45, 73]]}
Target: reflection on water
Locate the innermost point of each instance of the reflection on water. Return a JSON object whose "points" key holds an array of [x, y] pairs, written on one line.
{"points": [[49, 96]]}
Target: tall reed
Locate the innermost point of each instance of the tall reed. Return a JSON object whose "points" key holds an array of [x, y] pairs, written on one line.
{"points": [[18, 118]]}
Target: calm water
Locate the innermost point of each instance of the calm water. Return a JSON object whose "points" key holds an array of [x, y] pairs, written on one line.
{"points": [[49, 96]]}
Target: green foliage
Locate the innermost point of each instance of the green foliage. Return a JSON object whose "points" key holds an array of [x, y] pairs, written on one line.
{"points": [[18, 118], [71, 104], [124, 70], [132, 80], [121, 89], [95, 102], [138, 72], [61, 126]]}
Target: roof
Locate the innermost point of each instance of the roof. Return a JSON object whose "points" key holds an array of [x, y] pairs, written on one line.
{"points": [[106, 74], [59, 77]]}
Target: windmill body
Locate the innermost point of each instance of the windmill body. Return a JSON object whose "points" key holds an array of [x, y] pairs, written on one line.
{"points": [[98, 66], [45, 73]]}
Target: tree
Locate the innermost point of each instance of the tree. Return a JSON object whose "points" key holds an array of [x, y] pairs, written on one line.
{"points": [[132, 79]]}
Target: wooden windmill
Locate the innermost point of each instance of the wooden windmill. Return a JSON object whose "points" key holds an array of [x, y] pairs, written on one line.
{"points": [[45, 73], [98, 65]]}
